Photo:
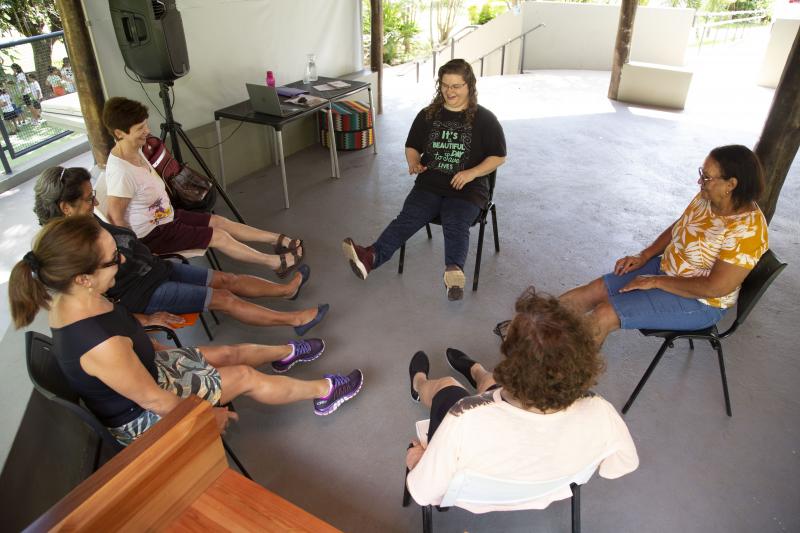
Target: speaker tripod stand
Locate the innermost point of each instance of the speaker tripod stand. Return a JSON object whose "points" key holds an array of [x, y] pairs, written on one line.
{"points": [[175, 132]]}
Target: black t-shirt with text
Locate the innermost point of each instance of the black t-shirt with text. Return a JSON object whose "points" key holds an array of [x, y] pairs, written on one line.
{"points": [[449, 144]]}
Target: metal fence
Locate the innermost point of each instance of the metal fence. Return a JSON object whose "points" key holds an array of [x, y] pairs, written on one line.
{"points": [[725, 26], [32, 70]]}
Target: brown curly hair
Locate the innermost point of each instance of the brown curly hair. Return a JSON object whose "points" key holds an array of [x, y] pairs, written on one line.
{"points": [[463, 69], [551, 357]]}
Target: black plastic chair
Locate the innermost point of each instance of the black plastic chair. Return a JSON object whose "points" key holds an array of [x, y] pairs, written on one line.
{"points": [[481, 220], [753, 287], [51, 382]]}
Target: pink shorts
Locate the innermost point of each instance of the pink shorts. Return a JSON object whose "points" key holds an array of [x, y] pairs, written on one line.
{"points": [[189, 230]]}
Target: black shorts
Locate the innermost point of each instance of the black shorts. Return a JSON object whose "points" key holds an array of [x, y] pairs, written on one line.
{"points": [[10, 115], [443, 401], [27, 99], [36, 104], [441, 404]]}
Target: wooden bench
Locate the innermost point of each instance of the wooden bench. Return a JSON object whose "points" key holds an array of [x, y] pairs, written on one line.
{"points": [[175, 478]]}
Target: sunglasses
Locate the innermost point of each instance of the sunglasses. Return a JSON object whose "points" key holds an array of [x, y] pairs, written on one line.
{"points": [[116, 261]]}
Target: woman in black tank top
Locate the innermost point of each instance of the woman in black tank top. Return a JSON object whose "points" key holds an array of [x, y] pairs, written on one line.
{"points": [[115, 367]]}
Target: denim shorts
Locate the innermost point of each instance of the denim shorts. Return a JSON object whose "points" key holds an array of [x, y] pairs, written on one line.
{"points": [[657, 309], [187, 291]]}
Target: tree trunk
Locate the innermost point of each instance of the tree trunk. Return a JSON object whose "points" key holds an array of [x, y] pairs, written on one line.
{"points": [[87, 77], [42, 52], [376, 47], [780, 137], [622, 48]]}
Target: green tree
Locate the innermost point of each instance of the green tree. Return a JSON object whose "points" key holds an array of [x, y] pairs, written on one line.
{"points": [[32, 17]]}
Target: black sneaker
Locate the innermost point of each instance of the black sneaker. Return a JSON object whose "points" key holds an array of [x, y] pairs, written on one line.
{"points": [[419, 363], [461, 363]]}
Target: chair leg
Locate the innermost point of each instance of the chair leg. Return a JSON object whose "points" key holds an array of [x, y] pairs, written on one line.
{"points": [[576, 507], [691, 344], [205, 326], [214, 316], [235, 459], [477, 274], [402, 259], [97, 453], [428, 229], [427, 519], [646, 376], [406, 494], [494, 229], [718, 347]]}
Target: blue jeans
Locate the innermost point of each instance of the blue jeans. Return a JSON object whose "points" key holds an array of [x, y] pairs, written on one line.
{"points": [[421, 207]]}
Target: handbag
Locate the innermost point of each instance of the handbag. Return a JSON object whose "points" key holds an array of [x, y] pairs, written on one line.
{"points": [[187, 189]]}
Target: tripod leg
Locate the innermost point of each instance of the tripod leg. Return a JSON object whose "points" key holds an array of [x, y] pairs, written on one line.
{"points": [[217, 123]]}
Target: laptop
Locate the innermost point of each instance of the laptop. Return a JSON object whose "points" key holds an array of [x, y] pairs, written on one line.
{"points": [[264, 99]]}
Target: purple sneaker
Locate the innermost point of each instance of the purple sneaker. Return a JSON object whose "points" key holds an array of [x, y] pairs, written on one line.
{"points": [[305, 351], [343, 388]]}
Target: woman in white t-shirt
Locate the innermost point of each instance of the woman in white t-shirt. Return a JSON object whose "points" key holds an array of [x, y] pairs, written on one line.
{"points": [[137, 198], [25, 89], [535, 418]]}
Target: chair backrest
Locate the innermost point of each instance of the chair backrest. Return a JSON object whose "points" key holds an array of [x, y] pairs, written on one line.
{"points": [[473, 489], [51, 382], [492, 181], [755, 284]]}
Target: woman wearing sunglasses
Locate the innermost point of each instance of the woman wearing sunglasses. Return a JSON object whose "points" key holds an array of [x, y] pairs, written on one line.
{"points": [[151, 286], [452, 146], [128, 381], [690, 275]]}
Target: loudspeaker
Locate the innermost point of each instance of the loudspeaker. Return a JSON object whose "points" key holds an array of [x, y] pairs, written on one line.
{"points": [[150, 37]]}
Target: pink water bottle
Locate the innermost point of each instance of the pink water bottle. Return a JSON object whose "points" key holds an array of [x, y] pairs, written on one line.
{"points": [[270, 79]]}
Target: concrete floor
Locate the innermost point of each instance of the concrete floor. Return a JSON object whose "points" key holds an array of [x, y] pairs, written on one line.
{"points": [[586, 181]]}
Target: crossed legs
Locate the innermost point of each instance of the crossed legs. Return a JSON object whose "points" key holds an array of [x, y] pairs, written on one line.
{"points": [[592, 298], [228, 235]]}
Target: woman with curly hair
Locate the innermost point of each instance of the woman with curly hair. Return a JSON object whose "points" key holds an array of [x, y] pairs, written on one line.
{"points": [[534, 418], [453, 145]]}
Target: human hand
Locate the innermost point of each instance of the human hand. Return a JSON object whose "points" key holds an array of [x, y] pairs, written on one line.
{"points": [[641, 283], [162, 318], [223, 416], [414, 454], [416, 168], [628, 264], [462, 178]]}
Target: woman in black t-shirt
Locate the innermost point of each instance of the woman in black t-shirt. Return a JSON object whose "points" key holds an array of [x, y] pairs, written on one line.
{"points": [[126, 380], [453, 145]]}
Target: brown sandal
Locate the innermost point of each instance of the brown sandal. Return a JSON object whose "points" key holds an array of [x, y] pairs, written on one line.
{"points": [[294, 244], [284, 270]]}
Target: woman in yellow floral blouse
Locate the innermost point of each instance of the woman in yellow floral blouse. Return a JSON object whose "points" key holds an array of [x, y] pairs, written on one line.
{"points": [[691, 274]]}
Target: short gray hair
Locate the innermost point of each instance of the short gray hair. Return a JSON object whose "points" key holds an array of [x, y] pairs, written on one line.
{"points": [[56, 185]]}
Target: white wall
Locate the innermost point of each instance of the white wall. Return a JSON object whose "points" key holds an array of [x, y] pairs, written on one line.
{"points": [[491, 35], [232, 42], [781, 39], [581, 36]]}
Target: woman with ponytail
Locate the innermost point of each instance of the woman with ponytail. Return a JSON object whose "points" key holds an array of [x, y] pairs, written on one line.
{"points": [[110, 361]]}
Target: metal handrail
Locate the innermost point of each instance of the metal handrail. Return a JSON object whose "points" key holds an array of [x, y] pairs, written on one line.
{"points": [[481, 59], [503, 48]]}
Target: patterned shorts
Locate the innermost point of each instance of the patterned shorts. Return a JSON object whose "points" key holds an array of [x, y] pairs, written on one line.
{"points": [[183, 372]]}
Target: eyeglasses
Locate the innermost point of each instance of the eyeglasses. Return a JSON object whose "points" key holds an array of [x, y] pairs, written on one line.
{"points": [[92, 198], [455, 86], [116, 261], [705, 177]]}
